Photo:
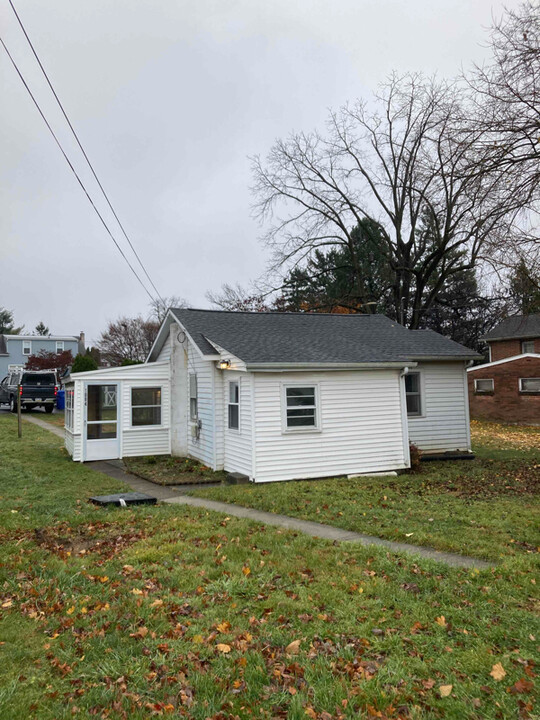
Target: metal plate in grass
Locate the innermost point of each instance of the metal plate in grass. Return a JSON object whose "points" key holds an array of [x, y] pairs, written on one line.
{"points": [[124, 499]]}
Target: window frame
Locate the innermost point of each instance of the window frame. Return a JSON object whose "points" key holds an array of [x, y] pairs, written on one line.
{"points": [[69, 417], [193, 416], [421, 394], [484, 392], [285, 429], [160, 406], [526, 352], [231, 404], [27, 344], [62, 348], [528, 392]]}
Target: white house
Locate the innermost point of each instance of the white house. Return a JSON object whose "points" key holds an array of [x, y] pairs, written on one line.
{"points": [[277, 396]]}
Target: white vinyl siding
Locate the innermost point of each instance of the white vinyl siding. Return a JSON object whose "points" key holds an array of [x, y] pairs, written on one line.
{"points": [[444, 422], [360, 426], [238, 443], [165, 352]]}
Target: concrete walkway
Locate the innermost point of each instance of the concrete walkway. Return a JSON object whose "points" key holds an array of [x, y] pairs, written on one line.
{"points": [[328, 532], [59, 432], [175, 495]]}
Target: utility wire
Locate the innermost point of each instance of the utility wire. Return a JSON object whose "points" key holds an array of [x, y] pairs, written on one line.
{"points": [[83, 150], [74, 171]]}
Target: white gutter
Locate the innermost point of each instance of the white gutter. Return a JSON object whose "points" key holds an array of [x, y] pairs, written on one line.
{"points": [[284, 366]]}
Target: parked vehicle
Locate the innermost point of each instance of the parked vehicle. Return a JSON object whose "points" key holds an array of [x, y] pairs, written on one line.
{"points": [[37, 389]]}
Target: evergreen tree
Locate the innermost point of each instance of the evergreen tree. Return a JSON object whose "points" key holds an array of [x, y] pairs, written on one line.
{"points": [[42, 329], [7, 324]]}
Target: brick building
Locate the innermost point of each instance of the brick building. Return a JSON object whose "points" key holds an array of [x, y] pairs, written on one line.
{"points": [[507, 388]]}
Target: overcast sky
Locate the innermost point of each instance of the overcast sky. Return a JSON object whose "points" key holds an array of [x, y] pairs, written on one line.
{"points": [[169, 98]]}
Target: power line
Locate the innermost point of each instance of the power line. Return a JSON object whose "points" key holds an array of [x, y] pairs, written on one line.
{"points": [[83, 150], [74, 171]]}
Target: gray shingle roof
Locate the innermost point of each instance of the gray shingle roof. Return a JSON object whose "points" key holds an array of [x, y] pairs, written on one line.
{"points": [[517, 326], [260, 338]]}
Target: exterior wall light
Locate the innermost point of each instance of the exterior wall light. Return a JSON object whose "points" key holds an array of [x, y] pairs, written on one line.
{"points": [[224, 364]]}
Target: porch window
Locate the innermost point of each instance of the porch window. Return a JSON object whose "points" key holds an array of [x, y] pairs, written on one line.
{"points": [[145, 406], [193, 397], [527, 346], [70, 396], [234, 405], [484, 386], [529, 385], [413, 394], [301, 407], [27, 347]]}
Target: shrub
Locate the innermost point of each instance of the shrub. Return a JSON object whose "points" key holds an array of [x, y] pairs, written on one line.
{"points": [[416, 457], [83, 363]]}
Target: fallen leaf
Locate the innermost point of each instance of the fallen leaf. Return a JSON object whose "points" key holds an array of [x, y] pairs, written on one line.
{"points": [[136, 591], [223, 648], [498, 672], [521, 686], [246, 570], [293, 648], [441, 621], [445, 690]]}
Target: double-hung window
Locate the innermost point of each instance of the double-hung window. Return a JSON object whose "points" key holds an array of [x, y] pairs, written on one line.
{"points": [[234, 405], [301, 407], [193, 400], [527, 346], [413, 393], [529, 385], [145, 406], [27, 347], [59, 346], [486, 385]]}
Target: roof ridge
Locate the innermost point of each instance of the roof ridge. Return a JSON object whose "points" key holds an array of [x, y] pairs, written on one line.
{"points": [[282, 312]]}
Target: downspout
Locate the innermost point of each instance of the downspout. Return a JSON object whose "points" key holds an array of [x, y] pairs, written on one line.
{"points": [[404, 417]]}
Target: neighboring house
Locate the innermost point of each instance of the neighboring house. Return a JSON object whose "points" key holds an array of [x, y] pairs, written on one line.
{"points": [[277, 396], [15, 349], [508, 387]]}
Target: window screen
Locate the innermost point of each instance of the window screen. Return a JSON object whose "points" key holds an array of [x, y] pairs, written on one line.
{"points": [[301, 407], [413, 394], [484, 385], [193, 398], [234, 405], [146, 406]]}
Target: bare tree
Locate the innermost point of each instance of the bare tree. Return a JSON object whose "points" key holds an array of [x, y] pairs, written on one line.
{"points": [[127, 339], [507, 96], [237, 298], [160, 306], [412, 166]]}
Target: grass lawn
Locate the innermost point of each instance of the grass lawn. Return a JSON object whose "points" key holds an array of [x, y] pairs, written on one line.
{"points": [[170, 611], [487, 507], [55, 418]]}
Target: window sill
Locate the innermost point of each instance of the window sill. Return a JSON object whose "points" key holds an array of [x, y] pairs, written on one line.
{"points": [[529, 392], [301, 431], [486, 392], [145, 428]]}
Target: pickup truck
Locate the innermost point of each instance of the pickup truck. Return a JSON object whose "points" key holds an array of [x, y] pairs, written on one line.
{"points": [[38, 389]]}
